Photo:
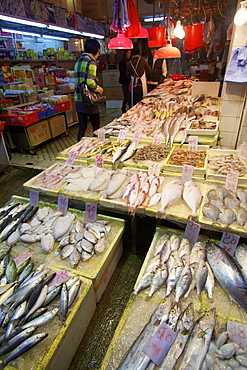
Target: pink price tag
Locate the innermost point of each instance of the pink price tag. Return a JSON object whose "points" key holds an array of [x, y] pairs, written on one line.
{"points": [[61, 277], [187, 172], [34, 198], [72, 157], [243, 151], [154, 169], [193, 143], [231, 181], [192, 231], [239, 332], [229, 242], [158, 346], [101, 134], [99, 160], [157, 139], [137, 137], [91, 212], [122, 135], [22, 258], [62, 204]]}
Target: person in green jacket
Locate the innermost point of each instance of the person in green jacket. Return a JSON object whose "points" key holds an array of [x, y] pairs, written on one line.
{"points": [[85, 69]]}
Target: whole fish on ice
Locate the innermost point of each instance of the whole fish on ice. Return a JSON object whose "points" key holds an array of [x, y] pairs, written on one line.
{"points": [[171, 192], [192, 196]]}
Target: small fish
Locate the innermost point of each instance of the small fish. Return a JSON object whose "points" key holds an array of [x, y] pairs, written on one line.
{"points": [[227, 216], [192, 196], [209, 284], [64, 299], [101, 245], [183, 283], [10, 272], [66, 251], [16, 340], [158, 281], [47, 243], [74, 258], [210, 211], [201, 276], [73, 291], [241, 215], [144, 282]]}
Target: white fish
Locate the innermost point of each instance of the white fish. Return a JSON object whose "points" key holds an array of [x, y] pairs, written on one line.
{"points": [[154, 199], [129, 152], [158, 280], [183, 283], [192, 196], [62, 225], [13, 238], [144, 282], [47, 243], [172, 191], [160, 244], [209, 285], [100, 181], [157, 181], [116, 182], [100, 246], [119, 193]]}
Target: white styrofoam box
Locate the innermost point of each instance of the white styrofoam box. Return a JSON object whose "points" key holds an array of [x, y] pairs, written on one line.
{"points": [[229, 124], [114, 104], [231, 108], [233, 91], [110, 78], [204, 87]]}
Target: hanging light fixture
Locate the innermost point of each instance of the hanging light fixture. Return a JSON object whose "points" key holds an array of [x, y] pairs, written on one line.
{"points": [[167, 51], [143, 34], [241, 15], [120, 42], [179, 31]]}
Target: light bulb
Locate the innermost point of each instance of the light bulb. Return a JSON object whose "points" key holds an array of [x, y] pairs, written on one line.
{"points": [[179, 31], [241, 15]]}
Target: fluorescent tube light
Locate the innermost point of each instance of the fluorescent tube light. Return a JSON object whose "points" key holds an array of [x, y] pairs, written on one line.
{"points": [[93, 35], [21, 32], [61, 29], [22, 21], [151, 19], [55, 37]]}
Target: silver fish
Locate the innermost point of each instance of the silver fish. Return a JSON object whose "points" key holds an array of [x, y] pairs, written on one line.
{"points": [[64, 241], [183, 283], [160, 244], [227, 273], [144, 282], [101, 245], [66, 251], [227, 216], [241, 194], [201, 276], [64, 301], [173, 277], [129, 152], [40, 300], [90, 237], [216, 202], [73, 291], [120, 152], [241, 258], [241, 215], [158, 280], [74, 258], [85, 256], [231, 201], [16, 340], [209, 285], [215, 193], [210, 211], [87, 246]]}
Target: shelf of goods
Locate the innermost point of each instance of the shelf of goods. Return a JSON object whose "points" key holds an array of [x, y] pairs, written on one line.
{"points": [[4, 157], [187, 307], [38, 239]]}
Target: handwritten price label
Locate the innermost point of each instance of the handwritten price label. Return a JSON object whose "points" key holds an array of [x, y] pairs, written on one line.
{"points": [[62, 204], [72, 157], [193, 143], [34, 198], [154, 169], [239, 332], [22, 258], [122, 135], [101, 134], [232, 181], [229, 242], [187, 172], [192, 231], [99, 160], [61, 277], [243, 151], [137, 137], [158, 346], [157, 139], [91, 212]]}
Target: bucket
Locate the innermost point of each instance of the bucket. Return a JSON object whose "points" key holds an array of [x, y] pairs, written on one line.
{"points": [[193, 37], [157, 36]]}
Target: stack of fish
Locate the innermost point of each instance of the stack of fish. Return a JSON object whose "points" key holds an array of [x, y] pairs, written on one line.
{"points": [[25, 294], [86, 147], [179, 265], [222, 164], [151, 152], [225, 206]]}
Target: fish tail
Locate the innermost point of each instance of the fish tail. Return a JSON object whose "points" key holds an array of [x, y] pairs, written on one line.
{"points": [[161, 214], [148, 297], [132, 210]]}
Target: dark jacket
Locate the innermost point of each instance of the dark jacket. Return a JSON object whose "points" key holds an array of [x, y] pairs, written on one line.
{"points": [[156, 74], [141, 68], [123, 79]]}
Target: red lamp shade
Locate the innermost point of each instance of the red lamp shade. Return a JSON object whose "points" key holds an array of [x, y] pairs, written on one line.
{"points": [[120, 42], [143, 34], [167, 51], [193, 37], [157, 36]]}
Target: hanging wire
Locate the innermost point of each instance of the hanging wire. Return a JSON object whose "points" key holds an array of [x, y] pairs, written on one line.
{"points": [[220, 4]]}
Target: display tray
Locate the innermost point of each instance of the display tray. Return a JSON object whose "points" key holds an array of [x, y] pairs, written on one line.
{"points": [[202, 131], [179, 168], [211, 175], [139, 310]]}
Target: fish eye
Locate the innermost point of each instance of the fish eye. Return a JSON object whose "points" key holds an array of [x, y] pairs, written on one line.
{"points": [[163, 301], [173, 310], [208, 314], [188, 310]]}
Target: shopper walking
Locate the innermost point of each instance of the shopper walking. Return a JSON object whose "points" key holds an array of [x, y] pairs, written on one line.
{"points": [[85, 69], [139, 71], [159, 70], [123, 79]]}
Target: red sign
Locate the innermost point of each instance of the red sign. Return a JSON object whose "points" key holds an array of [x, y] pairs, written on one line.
{"points": [[243, 150], [239, 332], [192, 231], [91, 212], [137, 137], [62, 204], [229, 242], [34, 198], [122, 135], [99, 160], [232, 181], [61, 277], [72, 157], [193, 143], [187, 172], [101, 134], [154, 169], [157, 139], [22, 258]]}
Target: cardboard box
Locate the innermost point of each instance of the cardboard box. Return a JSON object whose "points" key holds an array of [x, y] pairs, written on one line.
{"points": [[95, 9], [38, 133], [113, 93], [57, 125], [69, 117], [110, 78]]}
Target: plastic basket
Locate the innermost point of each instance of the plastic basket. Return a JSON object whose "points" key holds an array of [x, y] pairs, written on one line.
{"points": [[26, 120], [62, 106], [41, 114], [51, 111], [177, 77]]}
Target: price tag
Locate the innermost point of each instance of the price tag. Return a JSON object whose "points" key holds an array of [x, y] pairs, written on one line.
{"points": [[187, 172], [72, 157], [193, 143], [62, 204], [101, 134], [99, 160], [22, 258], [192, 231], [229, 242], [231, 181], [91, 212], [157, 139], [243, 150], [154, 169], [137, 137], [158, 346], [34, 198], [122, 135], [61, 277], [239, 332]]}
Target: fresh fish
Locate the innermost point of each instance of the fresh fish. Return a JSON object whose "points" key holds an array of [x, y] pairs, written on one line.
{"points": [[64, 241], [183, 283], [73, 291], [173, 277], [47, 243], [171, 192], [223, 338], [101, 245], [227, 216], [116, 182], [41, 320], [26, 272], [231, 201], [217, 193], [13, 238], [101, 181], [62, 225], [66, 251], [129, 152], [10, 272], [154, 264], [241, 215], [210, 211], [85, 256], [175, 242], [64, 301], [227, 273], [158, 281], [87, 246], [154, 199], [39, 301], [201, 276], [51, 295], [7, 294], [93, 230], [192, 196], [90, 237], [198, 342], [16, 340], [243, 205], [198, 253], [74, 258], [19, 311], [160, 244], [242, 360], [120, 152], [144, 282], [209, 284], [25, 346], [241, 195], [227, 350], [173, 316], [241, 258], [216, 202]]}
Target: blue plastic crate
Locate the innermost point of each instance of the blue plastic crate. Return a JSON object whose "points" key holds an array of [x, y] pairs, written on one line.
{"points": [[51, 111], [42, 114]]}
